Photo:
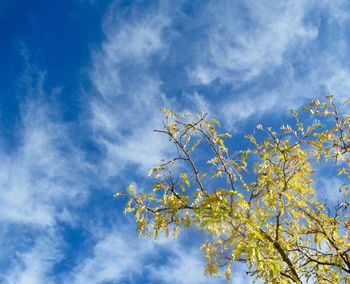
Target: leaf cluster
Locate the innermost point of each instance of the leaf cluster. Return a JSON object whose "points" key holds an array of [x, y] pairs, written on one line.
{"points": [[257, 205]]}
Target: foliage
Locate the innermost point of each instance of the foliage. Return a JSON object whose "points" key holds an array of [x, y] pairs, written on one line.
{"points": [[257, 205]]}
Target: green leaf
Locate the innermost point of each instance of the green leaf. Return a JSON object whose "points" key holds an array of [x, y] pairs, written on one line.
{"points": [[215, 121]]}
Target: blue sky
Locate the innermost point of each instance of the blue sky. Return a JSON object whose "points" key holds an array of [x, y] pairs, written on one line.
{"points": [[81, 86]]}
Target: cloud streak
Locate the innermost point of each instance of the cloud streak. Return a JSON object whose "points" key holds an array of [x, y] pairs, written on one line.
{"points": [[240, 48], [42, 180], [125, 108]]}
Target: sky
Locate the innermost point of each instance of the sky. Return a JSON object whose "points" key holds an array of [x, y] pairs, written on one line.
{"points": [[81, 86]]}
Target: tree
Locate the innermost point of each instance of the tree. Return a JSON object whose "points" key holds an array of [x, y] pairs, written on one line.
{"points": [[258, 205]]}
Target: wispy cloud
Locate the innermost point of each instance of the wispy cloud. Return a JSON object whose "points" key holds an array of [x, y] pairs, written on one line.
{"points": [[36, 184], [239, 48], [42, 179], [119, 256], [128, 98], [115, 257], [270, 57], [184, 266], [35, 264]]}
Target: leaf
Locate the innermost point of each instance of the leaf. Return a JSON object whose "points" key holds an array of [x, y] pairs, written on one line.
{"points": [[194, 145], [294, 113], [154, 170], [330, 97], [215, 121], [184, 178], [131, 189]]}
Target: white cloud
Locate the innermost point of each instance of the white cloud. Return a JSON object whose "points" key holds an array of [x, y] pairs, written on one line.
{"points": [[42, 178], [327, 75], [127, 42], [328, 189], [115, 257], [119, 256], [243, 107], [34, 265], [251, 37], [43, 172], [274, 51], [34, 177], [185, 266], [126, 107]]}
